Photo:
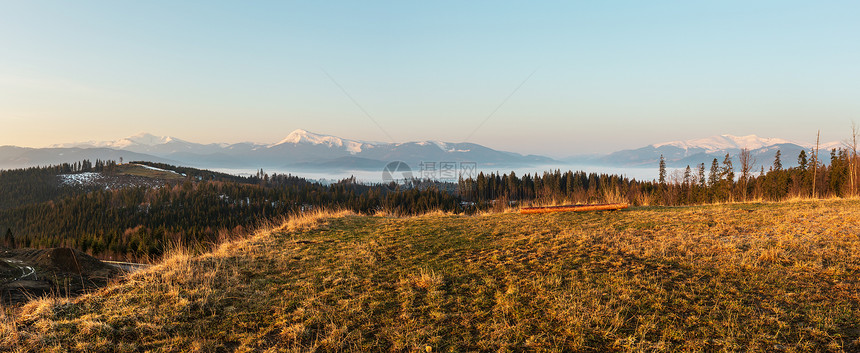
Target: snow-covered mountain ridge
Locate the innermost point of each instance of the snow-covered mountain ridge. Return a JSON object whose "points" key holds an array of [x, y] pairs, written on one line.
{"points": [[305, 150], [145, 139], [727, 142], [302, 149], [704, 150]]}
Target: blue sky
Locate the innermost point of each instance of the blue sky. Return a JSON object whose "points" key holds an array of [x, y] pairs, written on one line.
{"points": [[602, 76]]}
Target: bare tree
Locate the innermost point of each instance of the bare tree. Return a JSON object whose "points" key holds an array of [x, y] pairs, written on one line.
{"points": [[851, 146], [747, 163], [815, 163]]}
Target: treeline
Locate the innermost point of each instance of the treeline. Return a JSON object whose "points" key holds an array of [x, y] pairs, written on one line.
{"points": [[721, 182]]}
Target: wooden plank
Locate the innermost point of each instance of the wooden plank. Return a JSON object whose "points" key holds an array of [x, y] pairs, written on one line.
{"points": [[574, 208]]}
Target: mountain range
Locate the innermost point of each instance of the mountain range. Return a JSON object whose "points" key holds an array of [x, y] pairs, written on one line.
{"points": [[302, 150], [679, 154]]}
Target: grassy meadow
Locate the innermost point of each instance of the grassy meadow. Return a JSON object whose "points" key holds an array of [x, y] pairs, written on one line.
{"points": [[142, 171], [739, 277]]}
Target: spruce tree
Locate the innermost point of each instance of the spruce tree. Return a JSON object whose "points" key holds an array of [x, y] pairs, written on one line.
{"points": [[714, 176], [662, 170], [728, 170], [728, 177], [687, 175], [801, 160], [777, 162], [9, 238]]}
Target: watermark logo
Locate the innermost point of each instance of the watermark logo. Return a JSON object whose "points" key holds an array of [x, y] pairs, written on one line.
{"points": [[447, 171], [428, 172], [395, 171]]}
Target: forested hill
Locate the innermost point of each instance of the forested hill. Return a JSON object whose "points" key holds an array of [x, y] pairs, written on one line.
{"points": [[20, 187], [132, 211], [33, 185]]}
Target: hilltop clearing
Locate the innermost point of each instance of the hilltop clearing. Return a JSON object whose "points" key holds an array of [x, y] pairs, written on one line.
{"points": [[123, 175], [763, 277]]}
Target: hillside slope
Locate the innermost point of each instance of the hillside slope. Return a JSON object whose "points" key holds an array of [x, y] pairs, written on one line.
{"points": [[764, 277]]}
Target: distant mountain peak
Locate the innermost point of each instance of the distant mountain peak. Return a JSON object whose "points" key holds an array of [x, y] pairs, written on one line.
{"points": [[300, 136]]}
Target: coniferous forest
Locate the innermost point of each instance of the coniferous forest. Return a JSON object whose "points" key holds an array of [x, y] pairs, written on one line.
{"points": [[137, 217], [719, 182], [135, 222]]}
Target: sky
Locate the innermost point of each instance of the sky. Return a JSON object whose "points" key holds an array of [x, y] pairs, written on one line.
{"points": [[554, 78]]}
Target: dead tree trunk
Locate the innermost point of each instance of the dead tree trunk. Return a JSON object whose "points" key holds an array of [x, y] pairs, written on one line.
{"points": [[747, 163], [815, 163], [851, 146]]}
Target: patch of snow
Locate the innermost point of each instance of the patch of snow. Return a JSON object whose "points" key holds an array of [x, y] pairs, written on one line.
{"points": [[146, 139], [445, 146], [85, 178], [440, 144], [830, 145], [158, 169]]}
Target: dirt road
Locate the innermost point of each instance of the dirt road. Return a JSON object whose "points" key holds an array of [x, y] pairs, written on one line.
{"points": [[27, 272]]}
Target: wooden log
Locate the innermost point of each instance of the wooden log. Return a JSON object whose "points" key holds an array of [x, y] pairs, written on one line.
{"points": [[574, 208]]}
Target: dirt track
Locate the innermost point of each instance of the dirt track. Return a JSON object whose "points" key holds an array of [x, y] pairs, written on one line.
{"points": [[28, 273]]}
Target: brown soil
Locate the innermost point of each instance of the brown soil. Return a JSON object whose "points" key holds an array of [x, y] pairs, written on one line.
{"points": [[7, 270], [61, 271], [63, 260]]}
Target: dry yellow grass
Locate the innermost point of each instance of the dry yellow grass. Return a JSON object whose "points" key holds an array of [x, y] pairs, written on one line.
{"points": [[143, 171], [760, 277]]}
